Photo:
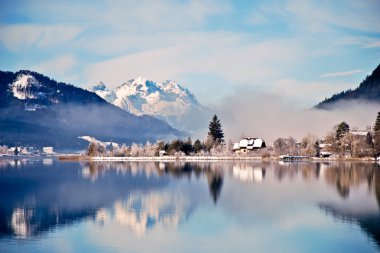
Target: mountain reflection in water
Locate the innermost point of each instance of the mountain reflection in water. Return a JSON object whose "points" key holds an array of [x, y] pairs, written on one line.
{"points": [[38, 196]]}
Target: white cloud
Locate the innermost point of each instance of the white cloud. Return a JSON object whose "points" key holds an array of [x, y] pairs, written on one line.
{"points": [[128, 15], [343, 73], [266, 11], [227, 55], [308, 92], [170, 39], [317, 16], [22, 37], [373, 44], [58, 66]]}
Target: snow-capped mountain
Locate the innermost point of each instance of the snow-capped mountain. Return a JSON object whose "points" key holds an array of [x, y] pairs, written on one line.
{"points": [[36, 110], [102, 91], [167, 100]]}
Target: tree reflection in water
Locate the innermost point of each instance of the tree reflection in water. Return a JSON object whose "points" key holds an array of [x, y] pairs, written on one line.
{"points": [[133, 194]]}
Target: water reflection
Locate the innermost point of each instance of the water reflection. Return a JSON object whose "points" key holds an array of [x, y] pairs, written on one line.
{"points": [[345, 177], [143, 197], [247, 173], [143, 212]]}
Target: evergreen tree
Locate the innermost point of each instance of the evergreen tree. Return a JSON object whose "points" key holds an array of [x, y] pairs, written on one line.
{"points": [[187, 147], [342, 129], [376, 135], [376, 127], [16, 152], [215, 130]]}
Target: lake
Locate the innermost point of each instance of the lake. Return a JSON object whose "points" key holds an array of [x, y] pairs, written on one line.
{"points": [[53, 206]]}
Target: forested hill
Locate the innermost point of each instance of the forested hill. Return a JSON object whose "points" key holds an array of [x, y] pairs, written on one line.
{"points": [[368, 90], [38, 111]]}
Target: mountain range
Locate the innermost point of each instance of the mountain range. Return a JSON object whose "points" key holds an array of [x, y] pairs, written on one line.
{"points": [[168, 101], [368, 91], [36, 110]]}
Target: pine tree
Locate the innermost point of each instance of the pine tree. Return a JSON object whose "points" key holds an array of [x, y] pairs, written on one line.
{"points": [[376, 135], [16, 152], [215, 130]]}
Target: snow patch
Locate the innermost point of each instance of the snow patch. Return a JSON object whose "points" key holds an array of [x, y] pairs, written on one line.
{"points": [[102, 91], [102, 143], [21, 88]]}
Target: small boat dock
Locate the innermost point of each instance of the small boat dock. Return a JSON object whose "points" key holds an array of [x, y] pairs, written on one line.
{"points": [[293, 158]]}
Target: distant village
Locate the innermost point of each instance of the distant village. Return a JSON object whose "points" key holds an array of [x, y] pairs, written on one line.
{"points": [[25, 151]]}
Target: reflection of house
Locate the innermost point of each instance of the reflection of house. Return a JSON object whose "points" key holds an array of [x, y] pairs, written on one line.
{"points": [[247, 173], [249, 144]]}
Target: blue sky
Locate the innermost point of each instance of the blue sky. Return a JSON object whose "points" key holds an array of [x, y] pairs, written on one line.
{"points": [[301, 50]]}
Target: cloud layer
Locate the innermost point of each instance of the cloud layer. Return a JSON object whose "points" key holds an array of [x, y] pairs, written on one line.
{"points": [[202, 44]]}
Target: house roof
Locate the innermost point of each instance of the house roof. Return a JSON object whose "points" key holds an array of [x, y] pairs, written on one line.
{"points": [[249, 143]]}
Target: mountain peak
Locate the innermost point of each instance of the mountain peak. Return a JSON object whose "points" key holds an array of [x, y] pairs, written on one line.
{"points": [[99, 87], [102, 91], [139, 80], [167, 100]]}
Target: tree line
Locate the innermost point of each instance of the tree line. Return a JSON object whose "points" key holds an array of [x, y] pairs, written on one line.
{"points": [[213, 145], [340, 141]]}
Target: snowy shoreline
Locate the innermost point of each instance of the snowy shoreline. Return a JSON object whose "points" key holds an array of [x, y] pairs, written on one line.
{"points": [[202, 158]]}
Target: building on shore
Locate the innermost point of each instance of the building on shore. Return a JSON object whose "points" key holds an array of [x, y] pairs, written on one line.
{"points": [[248, 144], [47, 150]]}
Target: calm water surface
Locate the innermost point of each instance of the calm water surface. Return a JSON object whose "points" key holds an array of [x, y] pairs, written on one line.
{"points": [[52, 206]]}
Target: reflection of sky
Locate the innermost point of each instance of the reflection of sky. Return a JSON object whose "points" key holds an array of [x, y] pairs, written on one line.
{"points": [[279, 213]]}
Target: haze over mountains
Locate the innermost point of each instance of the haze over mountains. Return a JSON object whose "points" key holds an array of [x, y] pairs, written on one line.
{"points": [[168, 101], [36, 110]]}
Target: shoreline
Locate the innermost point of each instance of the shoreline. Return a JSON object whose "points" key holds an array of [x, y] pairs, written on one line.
{"points": [[203, 158]]}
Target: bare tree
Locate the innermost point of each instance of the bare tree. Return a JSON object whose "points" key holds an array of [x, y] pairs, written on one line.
{"points": [[92, 149], [135, 150], [308, 147]]}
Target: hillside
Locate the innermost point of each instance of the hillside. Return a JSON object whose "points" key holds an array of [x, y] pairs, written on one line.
{"points": [[368, 90], [36, 110]]}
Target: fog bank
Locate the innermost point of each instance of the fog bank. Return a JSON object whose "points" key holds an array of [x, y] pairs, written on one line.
{"points": [[247, 113]]}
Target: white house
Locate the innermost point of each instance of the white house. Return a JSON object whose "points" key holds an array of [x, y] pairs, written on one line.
{"points": [[47, 150], [249, 144], [324, 150]]}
